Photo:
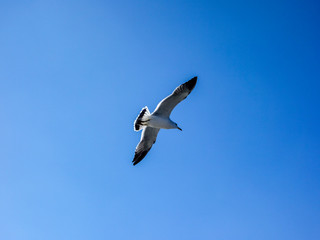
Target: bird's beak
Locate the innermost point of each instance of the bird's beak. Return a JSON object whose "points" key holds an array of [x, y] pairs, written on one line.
{"points": [[179, 128]]}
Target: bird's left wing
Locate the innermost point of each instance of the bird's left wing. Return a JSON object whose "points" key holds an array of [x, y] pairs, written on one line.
{"points": [[148, 138], [166, 106]]}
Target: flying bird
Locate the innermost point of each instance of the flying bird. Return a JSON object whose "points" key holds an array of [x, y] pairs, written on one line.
{"points": [[151, 123]]}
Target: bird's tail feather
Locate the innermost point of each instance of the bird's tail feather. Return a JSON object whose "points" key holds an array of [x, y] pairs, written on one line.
{"points": [[142, 119]]}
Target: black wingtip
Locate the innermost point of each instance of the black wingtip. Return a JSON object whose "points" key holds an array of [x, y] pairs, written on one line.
{"points": [[135, 162], [191, 83], [138, 157]]}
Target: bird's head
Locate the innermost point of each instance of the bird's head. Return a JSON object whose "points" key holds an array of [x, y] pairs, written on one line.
{"points": [[178, 127]]}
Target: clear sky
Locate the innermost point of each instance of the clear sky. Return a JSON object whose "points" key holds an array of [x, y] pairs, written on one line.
{"points": [[74, 75]]}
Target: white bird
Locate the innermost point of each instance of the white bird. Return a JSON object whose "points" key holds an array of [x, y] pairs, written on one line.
{"points": [[160, 118]]}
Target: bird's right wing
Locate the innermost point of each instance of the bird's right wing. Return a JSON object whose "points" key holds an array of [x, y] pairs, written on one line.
{"points": [[166, 106], [148, 138]]}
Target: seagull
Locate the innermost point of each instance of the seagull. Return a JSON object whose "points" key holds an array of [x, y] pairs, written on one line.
{"points": [[150, 124]]}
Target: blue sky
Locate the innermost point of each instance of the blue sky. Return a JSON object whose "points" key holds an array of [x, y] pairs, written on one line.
{"points": [[75, 74]]}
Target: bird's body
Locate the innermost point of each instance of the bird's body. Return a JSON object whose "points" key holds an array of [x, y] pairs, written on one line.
{"points": [[161, 122], [150, 124]]}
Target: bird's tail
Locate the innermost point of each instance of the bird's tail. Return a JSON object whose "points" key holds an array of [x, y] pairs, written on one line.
{"points": [[142, 119]]}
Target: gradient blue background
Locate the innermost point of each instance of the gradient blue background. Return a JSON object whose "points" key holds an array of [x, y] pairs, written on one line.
{"points": [[75, 74]]}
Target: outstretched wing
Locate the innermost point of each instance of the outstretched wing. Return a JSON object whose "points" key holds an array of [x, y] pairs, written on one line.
{"points": [[148, 138], [166, 106]]}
